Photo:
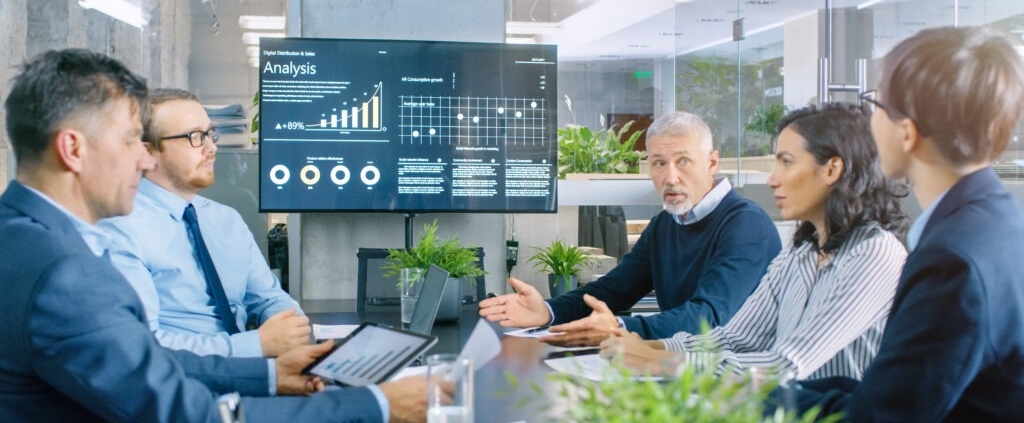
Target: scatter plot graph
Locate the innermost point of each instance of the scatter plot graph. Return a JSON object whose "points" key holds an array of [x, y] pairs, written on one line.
{"points": [[472, 121]]}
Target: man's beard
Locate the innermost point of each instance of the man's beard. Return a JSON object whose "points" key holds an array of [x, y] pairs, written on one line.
{"points": [[679, 207]]}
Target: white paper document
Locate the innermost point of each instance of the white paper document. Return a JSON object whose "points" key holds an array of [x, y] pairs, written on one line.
{"points": [[483, 344], [535, 332], [321, 332], [590, 366]]}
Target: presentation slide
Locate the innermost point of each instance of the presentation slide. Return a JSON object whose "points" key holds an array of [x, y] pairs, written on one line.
{"points": [[407, 126]]}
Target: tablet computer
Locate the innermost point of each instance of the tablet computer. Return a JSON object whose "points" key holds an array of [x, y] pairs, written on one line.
{"points": [[370, 355]]}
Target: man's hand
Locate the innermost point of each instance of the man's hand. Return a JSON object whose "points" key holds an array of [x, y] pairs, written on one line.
{"points": [[407, 398], [646, 357], [282, 332], [290, 380], [524, 309], [588, 331]]}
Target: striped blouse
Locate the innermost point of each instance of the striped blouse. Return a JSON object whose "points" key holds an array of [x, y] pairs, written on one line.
{"points": [[815, 322]]}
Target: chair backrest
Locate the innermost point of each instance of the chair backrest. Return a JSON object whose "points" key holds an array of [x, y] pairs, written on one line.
{"points": [[425, 312], [371, 285]]}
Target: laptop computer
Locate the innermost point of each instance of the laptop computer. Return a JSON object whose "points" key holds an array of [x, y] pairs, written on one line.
{"points": [[430, 300]]}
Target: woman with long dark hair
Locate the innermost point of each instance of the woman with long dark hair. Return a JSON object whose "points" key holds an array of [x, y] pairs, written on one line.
{"points": [[822, 306]]}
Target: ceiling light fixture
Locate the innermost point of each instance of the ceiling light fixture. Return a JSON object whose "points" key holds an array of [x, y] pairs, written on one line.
{"points": [[531, 28], [253, 38], [127, 11], [868, 4], [520, 40], [261, 23]]}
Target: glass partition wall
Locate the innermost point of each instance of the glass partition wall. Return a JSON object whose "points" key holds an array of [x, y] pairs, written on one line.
{"points": [[737, 63], [740, 64]]}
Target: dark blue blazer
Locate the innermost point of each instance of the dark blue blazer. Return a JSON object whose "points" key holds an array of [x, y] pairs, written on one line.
{"points": [[74, 345], [953, 350]]}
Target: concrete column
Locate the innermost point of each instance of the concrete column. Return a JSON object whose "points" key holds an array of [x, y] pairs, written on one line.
{"points": [[13, 31], [328, 242], [158, 51]]}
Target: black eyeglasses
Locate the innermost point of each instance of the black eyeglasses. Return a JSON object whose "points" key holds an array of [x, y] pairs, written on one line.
{"points": [[869, 98], [196, 138]]}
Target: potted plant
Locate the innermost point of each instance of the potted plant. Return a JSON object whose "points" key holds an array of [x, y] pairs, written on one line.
{"points": [[582, 150], [460, 261], [562, 262], [764, 120]]}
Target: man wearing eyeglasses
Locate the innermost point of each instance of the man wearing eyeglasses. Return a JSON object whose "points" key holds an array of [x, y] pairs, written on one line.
{"points": [[193, 261]]}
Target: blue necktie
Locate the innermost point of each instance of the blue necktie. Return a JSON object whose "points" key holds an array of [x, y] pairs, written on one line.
{"points": [[216, 290]]}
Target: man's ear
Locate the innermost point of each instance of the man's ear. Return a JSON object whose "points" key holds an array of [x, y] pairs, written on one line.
{"points": [[70, 147], [713, 162]]}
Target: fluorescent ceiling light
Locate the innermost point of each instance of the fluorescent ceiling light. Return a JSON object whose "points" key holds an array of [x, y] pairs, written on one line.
{"points": [[254, 62], [253, 38], [263, 23], [520, 40], [127, 11], [531, 28], [252, 51], [868, 4]]}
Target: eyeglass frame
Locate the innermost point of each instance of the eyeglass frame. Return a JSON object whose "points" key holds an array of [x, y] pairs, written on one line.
{"points": [[869, 97], [213, 134]]}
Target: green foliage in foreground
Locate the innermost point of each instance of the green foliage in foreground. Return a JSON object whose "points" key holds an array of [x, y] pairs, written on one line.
{"points": [[699, 393], [694, 396]]}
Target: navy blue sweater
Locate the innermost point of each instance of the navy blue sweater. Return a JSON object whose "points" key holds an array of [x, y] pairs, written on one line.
{"points": [[701, 272]]}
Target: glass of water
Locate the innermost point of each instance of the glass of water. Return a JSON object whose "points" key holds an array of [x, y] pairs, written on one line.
{"points": [[445, 372], [409, 282]]}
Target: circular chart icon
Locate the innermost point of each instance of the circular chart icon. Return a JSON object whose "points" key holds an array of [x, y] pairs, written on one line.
{"points": [[334, 175], [309, 175], [279, 174], [370, 175]]}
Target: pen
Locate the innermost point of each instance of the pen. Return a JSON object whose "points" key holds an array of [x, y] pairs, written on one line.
{"points": [[538, 329]]}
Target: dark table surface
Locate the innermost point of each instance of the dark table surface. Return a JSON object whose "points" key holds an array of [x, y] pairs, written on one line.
{"points": [[512, 387]]}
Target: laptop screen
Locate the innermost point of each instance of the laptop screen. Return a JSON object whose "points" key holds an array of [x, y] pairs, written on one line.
{"points": [[430, 300]]}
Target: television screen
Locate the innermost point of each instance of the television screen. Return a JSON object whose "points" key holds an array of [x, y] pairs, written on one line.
{"points": [[407, 126]]}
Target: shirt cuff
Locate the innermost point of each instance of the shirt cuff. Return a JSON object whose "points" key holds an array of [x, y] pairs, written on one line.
{"points": [[272, 376], [551, 312], [382, 401], [674, 344], [246, 344], [622, 323]]}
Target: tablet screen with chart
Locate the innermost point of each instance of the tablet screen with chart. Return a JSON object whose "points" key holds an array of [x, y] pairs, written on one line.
{"points": [[371, 354], [404, 126]]}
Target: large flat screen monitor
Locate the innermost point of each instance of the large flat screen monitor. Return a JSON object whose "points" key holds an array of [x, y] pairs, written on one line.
{"points": [[407, 126]]}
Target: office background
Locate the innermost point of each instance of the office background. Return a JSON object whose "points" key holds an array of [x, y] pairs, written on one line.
{"points": [[724, 59]]}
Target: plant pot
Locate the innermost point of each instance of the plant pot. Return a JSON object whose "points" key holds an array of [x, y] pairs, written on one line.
{"points": [[560, 284], [451, 301]]}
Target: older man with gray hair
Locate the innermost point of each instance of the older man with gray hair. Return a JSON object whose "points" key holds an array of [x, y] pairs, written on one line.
{"points": [[703, 255]]}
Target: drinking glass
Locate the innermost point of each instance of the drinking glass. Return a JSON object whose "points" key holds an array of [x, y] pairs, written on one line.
{"points": [[409, 282], [447, 370]]}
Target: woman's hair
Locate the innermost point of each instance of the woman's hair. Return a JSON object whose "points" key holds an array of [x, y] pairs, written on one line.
{"points": [[962, 87], [862, 194]]}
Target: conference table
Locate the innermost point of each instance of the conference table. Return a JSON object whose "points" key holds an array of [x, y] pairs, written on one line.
{"points": [[513, 387]]}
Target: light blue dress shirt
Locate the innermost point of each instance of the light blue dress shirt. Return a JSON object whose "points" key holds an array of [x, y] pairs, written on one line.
{"points": [[152, 249], [914, 233], [99, 242]]}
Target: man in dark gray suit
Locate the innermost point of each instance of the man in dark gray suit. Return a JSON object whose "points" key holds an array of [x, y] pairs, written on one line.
{"points": [[76, 344]]}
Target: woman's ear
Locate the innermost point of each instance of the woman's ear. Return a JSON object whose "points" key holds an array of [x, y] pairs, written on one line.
{"points": [[833, 170]]}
